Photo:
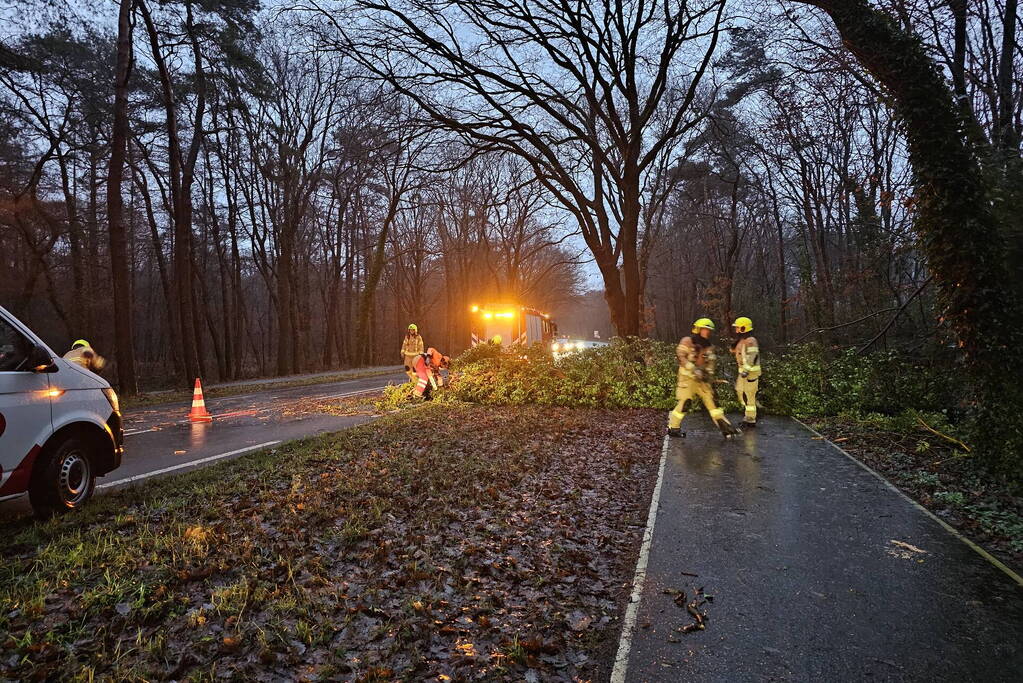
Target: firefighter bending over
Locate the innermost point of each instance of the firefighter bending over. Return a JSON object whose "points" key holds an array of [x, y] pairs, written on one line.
{"points": [[747, 358], [436, 361], [411, 347], [83, 354], [695, 374], [426, 368]]}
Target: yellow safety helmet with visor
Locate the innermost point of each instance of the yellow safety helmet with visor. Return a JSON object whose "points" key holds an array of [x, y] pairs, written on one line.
{"points": [[703, 323], [742, 324]]}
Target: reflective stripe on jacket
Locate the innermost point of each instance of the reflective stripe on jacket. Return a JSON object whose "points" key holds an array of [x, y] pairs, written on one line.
{"points": [[412, 345], [747, 357], [85, 357], [692, 355]]}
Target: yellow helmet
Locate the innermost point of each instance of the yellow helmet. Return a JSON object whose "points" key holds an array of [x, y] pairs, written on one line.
{"points": [[413, 328], [743, 324], [496, 339], [80, 342], [703, 323]]}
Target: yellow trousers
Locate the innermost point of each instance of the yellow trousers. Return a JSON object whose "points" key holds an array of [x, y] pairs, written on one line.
{"points": [[685, 390], [410, 363], [746, 390]]}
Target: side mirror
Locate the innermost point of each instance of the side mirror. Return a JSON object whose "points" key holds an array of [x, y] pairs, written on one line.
{"points": [[40, 361]]}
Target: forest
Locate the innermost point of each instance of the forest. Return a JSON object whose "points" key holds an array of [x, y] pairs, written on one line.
{"points": [[237, 188]]}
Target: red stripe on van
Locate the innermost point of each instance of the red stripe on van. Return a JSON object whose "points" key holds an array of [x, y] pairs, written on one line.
{"points": [[22, 474]]}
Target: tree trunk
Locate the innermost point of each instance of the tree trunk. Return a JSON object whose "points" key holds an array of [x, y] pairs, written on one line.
{"points": [[285, 331], [961, 236], [123, 336], [376, 269], [1008, 137], [181, 212]]}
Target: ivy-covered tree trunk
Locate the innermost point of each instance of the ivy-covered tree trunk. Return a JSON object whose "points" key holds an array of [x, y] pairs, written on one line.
{"points": [[962, 237]]}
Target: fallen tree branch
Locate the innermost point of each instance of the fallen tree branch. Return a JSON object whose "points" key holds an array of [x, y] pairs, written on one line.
{"points": [[895, 317], [852, 322], [952, 439]]}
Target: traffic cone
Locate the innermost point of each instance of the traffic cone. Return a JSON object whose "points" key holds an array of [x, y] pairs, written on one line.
{"points": [[199, 412]]}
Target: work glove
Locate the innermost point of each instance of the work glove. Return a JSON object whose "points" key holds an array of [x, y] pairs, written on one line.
{"points": [[699, 374], [407, 368]]}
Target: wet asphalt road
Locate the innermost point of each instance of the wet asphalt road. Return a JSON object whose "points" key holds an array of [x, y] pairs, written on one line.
{"points": [[819, 572], [160, 439]]}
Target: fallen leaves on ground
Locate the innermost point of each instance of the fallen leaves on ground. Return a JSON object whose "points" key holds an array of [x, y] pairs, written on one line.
{"points": [[696, 615], [446, 543], [363, 404]]}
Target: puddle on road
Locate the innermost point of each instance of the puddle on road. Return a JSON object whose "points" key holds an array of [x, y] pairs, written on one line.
{"points": [[198, 434]]}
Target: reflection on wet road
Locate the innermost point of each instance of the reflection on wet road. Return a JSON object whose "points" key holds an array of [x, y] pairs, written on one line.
{"points": [[817, 569]]}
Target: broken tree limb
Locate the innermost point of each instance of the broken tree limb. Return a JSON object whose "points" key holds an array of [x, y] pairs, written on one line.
{"points": [[895, 317]]}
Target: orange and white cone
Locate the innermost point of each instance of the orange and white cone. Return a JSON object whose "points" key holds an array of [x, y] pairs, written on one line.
{"points": [[199, 412]]}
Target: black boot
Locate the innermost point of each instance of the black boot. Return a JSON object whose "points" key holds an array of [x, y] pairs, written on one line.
{"points": [[727, 429], [676, 432], [746, 424]]}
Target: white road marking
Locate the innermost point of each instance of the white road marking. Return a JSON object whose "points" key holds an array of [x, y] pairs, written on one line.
{"points": [[950, 529], [632, 611], [192, 463]]}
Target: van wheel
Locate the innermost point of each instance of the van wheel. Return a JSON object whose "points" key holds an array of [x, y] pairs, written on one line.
{"points": [[64, 478]]}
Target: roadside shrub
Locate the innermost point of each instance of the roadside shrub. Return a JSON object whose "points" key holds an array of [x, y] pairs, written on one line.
{"points": [[812, 380], [397, 396], [805, 381], [628, 373]]}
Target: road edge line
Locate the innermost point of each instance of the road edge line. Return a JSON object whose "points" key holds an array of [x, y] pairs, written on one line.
{"points": [[193, 463], [621, 662], [945, 525]]}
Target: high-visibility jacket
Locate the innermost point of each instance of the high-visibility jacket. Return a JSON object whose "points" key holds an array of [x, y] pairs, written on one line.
{"points": [[692, 356], [410, 347], [437, 359], [747, 357], [424, 377], [86, 357]]}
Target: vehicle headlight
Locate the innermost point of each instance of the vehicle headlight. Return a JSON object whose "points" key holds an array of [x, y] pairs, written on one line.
{"points": [[112, 399]]}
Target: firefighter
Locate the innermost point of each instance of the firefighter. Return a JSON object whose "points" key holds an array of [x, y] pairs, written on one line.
{"points": [[423, 377], [411, 347], [436, 361], [747, 359], [83, 354], [695, 374]]}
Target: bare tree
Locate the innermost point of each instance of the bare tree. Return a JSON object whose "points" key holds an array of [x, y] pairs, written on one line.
{"points": [[578, 90]]}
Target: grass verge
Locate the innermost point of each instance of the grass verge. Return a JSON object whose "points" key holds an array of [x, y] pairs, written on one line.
{"points": [[936, 473], [454, 542]]}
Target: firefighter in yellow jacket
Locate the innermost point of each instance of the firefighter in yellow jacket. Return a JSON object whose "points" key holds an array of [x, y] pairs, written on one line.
{"points": [[747, 358], [695, 374], [411, 347], [83, 354]]}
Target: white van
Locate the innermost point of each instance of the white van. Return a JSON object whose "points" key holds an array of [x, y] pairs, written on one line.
{"points": [[60, 425]]}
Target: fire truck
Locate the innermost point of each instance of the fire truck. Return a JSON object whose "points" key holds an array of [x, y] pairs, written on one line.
{"points": [[514, 325]]}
